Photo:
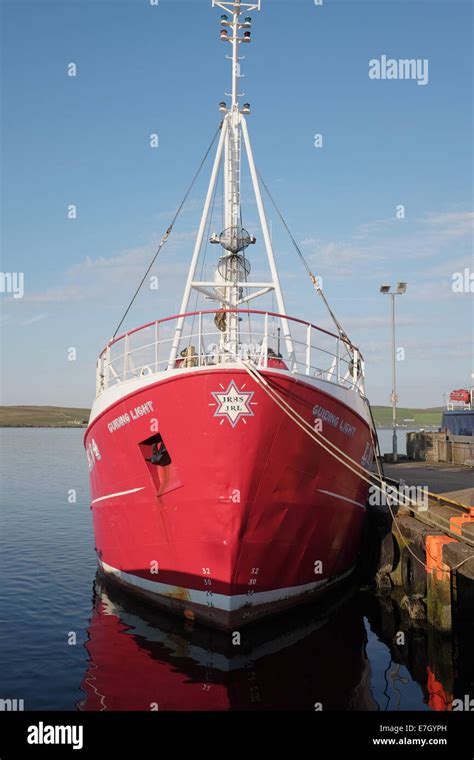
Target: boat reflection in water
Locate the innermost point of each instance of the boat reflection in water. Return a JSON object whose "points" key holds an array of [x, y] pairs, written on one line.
{"points": [[442, 666], [347, 654], [141, 659]]}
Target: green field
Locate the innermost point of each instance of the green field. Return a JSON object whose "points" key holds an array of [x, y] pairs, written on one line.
{"points": [[421, 417], [58, 416], [42, 416]]}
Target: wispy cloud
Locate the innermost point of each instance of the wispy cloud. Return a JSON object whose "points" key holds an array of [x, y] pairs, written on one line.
{"points": [[417, 349], [94, 278], [57, 294], [341, 258], [33, 320], [438, 243], [451, 224], [375, 246], [364, 231]]}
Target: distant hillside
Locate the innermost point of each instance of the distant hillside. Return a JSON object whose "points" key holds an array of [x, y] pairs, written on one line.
{"points": [[421, 417], [59, 416], [43, 416]]}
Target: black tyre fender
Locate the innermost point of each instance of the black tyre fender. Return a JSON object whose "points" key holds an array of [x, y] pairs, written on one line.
{"points": [[387, 554]]}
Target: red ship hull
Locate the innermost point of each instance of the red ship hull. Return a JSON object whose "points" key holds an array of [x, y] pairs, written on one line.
{"points": [[249, 516]]}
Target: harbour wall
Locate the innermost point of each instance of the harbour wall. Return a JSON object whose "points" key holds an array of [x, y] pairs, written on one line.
{"points": [[441, 447]]}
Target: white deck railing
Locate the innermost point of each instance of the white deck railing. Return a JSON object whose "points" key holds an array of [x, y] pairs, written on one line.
{"points": [[456, 405], [147, 350]]}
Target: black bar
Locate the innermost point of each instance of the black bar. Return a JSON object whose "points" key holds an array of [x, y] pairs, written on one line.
{"points": [[318, 734]]}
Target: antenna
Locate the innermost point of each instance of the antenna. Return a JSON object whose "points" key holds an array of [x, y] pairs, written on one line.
{"points": [[235, 26]]}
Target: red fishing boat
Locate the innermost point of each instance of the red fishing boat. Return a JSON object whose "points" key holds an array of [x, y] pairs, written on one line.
{"points": [[226, 444]]}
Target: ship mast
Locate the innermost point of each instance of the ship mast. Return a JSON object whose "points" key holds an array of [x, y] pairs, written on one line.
{"points": [[234, 239], [233, 267]]}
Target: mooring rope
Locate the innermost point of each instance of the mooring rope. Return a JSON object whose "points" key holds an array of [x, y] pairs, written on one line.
{"points": [[316, 436]]}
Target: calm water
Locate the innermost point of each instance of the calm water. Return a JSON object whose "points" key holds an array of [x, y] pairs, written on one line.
{"points": [[385, 440], [126, 657]]}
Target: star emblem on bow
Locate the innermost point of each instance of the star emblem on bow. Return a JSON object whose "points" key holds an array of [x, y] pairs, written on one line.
{"points": [[233, 403]]}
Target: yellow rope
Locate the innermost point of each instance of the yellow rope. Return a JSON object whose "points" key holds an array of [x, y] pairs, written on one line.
{"points": [[315, 436]]}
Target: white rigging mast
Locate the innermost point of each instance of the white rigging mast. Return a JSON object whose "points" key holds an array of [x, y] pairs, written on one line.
{"points": [[233, 267]]}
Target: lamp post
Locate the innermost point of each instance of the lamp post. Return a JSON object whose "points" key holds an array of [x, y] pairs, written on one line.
{"points": [[400, 290]]}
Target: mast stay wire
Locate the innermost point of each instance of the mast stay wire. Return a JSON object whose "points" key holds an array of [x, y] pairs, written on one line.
{"points": [[342, 332], [312, 277], [169, 230]]}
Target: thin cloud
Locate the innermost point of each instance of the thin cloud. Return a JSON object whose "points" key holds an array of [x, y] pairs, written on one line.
{"points": [[33, 320], [451, 224], [375, 245]]}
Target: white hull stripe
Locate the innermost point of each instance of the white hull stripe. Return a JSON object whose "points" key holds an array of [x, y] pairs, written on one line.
{"points": [[220, 662], [220, 601], [343, 498], [120, 493]]}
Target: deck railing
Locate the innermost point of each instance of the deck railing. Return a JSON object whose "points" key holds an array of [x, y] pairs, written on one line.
{"points": [[201, 341], [466, 403]]}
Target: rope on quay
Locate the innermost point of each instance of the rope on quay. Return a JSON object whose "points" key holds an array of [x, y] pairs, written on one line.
{"points": [[365, 474]]}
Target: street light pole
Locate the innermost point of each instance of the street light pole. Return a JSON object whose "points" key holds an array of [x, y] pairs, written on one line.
{"points": [[394, 384], [386, 290]]}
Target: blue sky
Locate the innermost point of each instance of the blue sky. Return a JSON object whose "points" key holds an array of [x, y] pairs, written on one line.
{"points": [[144, 69]]}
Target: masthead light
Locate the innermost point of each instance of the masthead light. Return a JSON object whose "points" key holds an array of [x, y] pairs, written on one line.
{"points": [[224, 35], [223, 106], [246, 108]]}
